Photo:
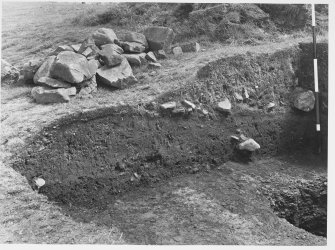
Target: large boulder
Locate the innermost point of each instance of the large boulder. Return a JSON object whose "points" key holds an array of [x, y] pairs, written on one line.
{"points": [[44, 95], [29, 69], [136, 59], [303, 99], [53, 83], [70, 67], [159, 37], [44, 70], [119, 76], [135, 37], [150, 56], [110, 57], [104, 36], [114, 47], [132, 47], [9, 74]]}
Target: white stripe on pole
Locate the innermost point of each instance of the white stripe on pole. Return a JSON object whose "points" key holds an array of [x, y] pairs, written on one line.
{"points": [[317, 127], [316, 78], [313, 15]]}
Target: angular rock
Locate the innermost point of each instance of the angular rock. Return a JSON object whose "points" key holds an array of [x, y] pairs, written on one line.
{"points": [[160, 54], [44, 96], [190, 47], [159, 37], [135, 37], [110, 57], [88, 87], [119, 76], [72, 91], [150, 56], [29, 70], [76, 47], [271, 105], [154, 65], [179, 111], [245, 94], [44, 70], [62, 48], [249, 145], [52, 83], [189, 104], [238, 97], [9, 74], [93, 66], [136, 59], [112, 46], [177, 51], [168, 105], [132, 47], [88, 48], [224, 106], [303, 99], [70, 67], [104, 36]]}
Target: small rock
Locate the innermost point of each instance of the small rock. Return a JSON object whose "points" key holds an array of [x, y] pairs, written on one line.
{"points": [[45, 96], [177, 51], [234, 137], [29, 70], [190, 47], [270, 106], [104, 36], [224, 106], [159, 37], [179, 111], [249, 145], [150, 56], [243, 137], [132, 47], [53, 83], [168, 105], [189, 104], [39, 182], [87, 52], [136, 59], [62, 48], [160, 54], [303, 100], [152, 73], [238, 97], [9, 74], [44, 69], [112, 46], [245, 94], [154, 65]]}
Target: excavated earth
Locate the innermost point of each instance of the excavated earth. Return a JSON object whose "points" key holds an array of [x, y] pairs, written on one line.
{"points": [[178, 179]]}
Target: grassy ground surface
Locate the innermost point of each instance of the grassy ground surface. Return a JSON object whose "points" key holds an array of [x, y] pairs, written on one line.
{"points": [[33, 30]]}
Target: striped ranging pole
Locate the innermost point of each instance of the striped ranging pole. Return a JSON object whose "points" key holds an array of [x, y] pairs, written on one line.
{"points": [[316, 83]]}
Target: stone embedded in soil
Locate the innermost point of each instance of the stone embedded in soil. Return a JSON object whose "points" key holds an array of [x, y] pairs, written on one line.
{"points": [[44, 70], [136, 59], [160, 54], [271, 105], [159, 37], [53, 83], [189, 104], [152, 65], [104, 36], [245, 94], [168, 105], [110, 57], [150, 56], [120, 76], [129, 36], [249, 145], [238, 97], [224, 106], [303, 99], [46, 96], [234, 137], [177, 51], [70, 67], [112, 46], [179, 111], [190, 47], [132, 47]]}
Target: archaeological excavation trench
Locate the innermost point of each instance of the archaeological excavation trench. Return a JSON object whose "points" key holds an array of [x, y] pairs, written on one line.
{"points": [[89, 159]]}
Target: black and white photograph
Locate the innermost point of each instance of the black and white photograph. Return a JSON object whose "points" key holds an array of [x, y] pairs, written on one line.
{"points": [[156, 123]]}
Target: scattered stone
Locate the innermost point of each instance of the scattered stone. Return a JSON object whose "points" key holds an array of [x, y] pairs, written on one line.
{"points": [[224, 106], [112, 46], [29, 70], [136, 59], [159, 37], [270, 106], [135, 37], [249, 145], [243, 137], [110, 57], [168, 105], [179, 111], [45, 96], [234, 137], [303, 99], [238, 97], [62, 48], [177, 51], [190, 47], [150, 56], [44, 70], [76, 47], [9, 74], [245, 94], [70, 67], [202, 111], [53, 83], [160, 54], [119, 76], [132, 47], [39, 182], [154, 65], [189, 104], [104, 36]]}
